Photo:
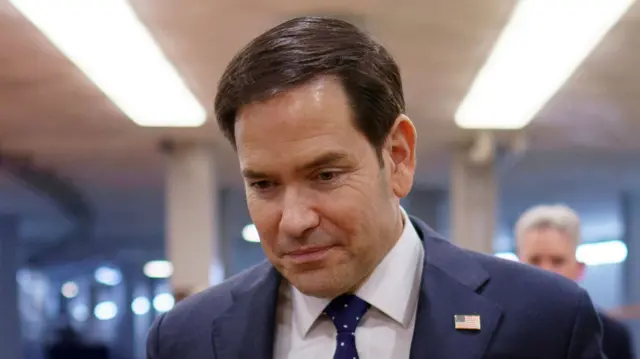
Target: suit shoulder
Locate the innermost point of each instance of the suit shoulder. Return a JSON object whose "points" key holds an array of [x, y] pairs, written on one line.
{"points": [[529, 283], [617, 341], [506, 280], [613, 326], [530, 295], [186, 329], [201, 309]]}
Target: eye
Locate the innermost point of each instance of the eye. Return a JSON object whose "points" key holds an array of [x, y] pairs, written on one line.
{"points": [[557, 261], [262, 185], [327, 176]]}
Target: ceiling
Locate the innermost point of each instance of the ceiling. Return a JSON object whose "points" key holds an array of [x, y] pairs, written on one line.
{"points": [[51, 114]]}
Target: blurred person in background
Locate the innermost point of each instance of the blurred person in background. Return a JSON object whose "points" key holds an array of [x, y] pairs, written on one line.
{"points": [[181, 294], [316, 113], [547, 237], [69, 345]]}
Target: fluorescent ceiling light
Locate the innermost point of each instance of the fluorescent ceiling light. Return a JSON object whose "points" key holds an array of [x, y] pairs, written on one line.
{"points": [[591, 254], [107, 41], [158, 269], [106, 310], [507, 255], [79, 312], [140, 306], [70, 290], [250, 233], [163, 302], [108, 276], [609, 252], [539, 49]]}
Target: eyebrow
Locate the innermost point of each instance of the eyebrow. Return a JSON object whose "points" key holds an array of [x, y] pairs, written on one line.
{"points": [[324, 159]]}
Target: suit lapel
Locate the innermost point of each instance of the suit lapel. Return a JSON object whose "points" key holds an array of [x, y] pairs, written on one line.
{"points": [[450, 281], [241, 332]]}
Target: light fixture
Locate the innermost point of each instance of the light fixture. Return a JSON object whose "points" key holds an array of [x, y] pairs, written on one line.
{"points": [[79, 312], [163, 302], [250, 233], [591, 254], [24, 277], [108, 276], [507, 255], [140, 306], [107, 41], [105, 310], [539, 49], [158, 269], [609, 252], [69, 290]]}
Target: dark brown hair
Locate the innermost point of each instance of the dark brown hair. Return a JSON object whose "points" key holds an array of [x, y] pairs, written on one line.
{"points": [[302, 49]]}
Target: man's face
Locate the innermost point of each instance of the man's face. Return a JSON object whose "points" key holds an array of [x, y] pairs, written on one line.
{"points": [[550, 249], [325, 209]]}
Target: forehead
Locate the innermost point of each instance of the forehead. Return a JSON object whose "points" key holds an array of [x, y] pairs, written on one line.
{"points": [[314, 115], [546, 240]]}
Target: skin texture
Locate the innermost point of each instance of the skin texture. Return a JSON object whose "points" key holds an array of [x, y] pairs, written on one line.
{"points": [[326, 210], [550, 249]]}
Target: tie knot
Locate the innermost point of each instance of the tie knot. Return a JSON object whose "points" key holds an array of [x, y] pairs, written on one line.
{"points": [[346, 311]]}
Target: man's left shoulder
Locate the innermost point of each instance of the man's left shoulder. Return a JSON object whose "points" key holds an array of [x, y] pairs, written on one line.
{"points": [[514, 282], [611, 324], [614, 329], [510, 284], [550, 315]]}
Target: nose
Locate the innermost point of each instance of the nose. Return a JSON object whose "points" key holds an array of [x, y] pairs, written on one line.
{"points": [[298, 216], [547, 265]]}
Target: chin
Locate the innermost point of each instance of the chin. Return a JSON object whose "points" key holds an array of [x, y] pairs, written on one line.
{"points": [[318, 283], [317, 292]]}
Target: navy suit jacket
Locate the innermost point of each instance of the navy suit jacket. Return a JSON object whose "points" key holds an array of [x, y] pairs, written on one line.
{"points": [[616, 339], [524, 312]]}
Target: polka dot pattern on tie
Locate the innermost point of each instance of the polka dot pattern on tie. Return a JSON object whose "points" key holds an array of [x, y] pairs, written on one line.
{"points": [[345, 312]]}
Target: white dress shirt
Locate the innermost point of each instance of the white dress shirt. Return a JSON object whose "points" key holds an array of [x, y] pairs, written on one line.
{"points": [[385, 331]]}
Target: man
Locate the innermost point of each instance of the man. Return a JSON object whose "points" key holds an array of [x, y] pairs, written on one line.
{"points": [[315, 111], [69, 345], [548, 237]]}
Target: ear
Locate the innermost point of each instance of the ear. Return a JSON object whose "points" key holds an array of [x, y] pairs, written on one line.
{"points": [[401, 148]]}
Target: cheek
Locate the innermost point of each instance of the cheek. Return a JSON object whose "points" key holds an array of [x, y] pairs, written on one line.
{"points": [[353, 221], [364, 193], [570, 268]]}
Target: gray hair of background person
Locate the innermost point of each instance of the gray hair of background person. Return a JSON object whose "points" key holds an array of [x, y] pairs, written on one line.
{"points": [[558, 216]]}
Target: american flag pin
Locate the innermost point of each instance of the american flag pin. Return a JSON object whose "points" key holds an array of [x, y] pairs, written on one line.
{"points": [[467, 322]]}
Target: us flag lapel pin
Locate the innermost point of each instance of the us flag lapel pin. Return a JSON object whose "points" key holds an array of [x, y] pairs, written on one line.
{"points": [[467, 322]]}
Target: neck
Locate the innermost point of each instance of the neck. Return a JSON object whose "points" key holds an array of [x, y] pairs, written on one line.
{"points": [[395, 234]]}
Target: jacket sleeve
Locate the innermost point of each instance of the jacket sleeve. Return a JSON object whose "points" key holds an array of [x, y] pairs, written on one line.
{"points": [[628, 347], [586, 337], [153, 339]]}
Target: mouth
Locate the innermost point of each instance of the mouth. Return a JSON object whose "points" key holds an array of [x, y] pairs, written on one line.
{"points": [[309, 254]]}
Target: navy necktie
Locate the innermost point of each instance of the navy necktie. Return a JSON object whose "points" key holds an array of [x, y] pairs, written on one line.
{"points": [[345, 312]]}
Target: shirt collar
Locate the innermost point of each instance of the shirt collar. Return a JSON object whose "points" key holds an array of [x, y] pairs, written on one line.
{"points": [[306, 309], [392, 288]]}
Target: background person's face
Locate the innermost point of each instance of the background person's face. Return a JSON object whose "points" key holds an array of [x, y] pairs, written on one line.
{"points": [[325, 210], [552, 250]]}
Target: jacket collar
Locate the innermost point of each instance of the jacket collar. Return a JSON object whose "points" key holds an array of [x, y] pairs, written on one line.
{"points": [[451, 283]]}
